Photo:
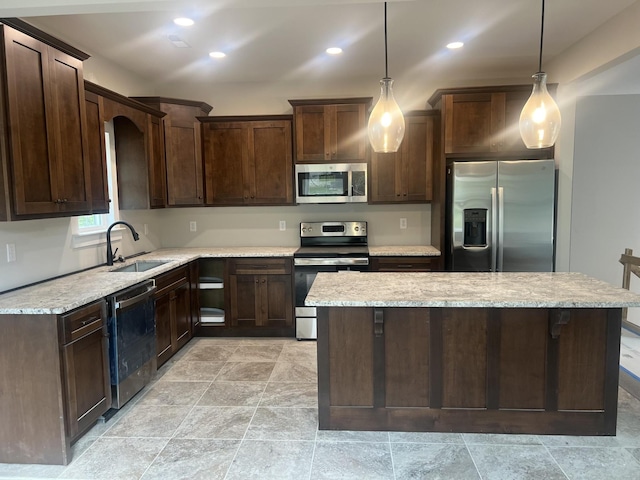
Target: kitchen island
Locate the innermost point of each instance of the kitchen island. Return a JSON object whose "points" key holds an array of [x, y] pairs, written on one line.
{"points": [[530, 353]]}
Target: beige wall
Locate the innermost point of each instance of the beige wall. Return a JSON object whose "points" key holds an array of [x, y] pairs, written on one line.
{"points": [[44, 247], [615, 42]]}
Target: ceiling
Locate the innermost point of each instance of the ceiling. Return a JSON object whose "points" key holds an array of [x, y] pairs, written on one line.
{"points": [[284, 40]]}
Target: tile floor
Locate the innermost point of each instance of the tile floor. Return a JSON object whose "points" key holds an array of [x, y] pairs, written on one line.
{"points": [[245, 409]]}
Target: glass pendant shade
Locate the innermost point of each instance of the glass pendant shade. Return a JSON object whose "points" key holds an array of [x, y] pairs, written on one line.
{"points": [[386, 122], [540, 117]]}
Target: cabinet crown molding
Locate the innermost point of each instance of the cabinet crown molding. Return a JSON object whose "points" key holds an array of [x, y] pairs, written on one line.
{"points": [[50, 40]]}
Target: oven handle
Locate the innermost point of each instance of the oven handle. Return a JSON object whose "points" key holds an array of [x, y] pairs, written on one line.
{"points": [[119, 305], [312, 262]]}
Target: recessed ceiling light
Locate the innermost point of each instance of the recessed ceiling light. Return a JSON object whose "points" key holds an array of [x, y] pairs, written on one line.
{"points": [[217, 54], [183, 21], [454, 45], [334, 50]]}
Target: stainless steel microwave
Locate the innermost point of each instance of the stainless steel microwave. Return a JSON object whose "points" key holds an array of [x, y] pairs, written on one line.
{"points": [[331, 183]]}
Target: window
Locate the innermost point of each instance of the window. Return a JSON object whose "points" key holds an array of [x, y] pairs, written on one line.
{"points": [[87, 228]]}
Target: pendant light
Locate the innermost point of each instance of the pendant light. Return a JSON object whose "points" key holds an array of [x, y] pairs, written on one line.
{"points": [[386, 123], [540, 117]]}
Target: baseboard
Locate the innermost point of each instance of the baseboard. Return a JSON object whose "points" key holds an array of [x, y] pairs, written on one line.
{"points": [[630, 382]]}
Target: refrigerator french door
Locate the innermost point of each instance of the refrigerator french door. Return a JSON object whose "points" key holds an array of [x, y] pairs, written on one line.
{"points": [[501, 216]]}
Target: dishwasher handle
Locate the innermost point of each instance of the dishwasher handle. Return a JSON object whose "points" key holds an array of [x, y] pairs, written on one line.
{"points": [[121, 304]]}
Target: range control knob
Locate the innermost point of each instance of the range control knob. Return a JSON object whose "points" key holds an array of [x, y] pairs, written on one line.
{"points": [[357, 229]]}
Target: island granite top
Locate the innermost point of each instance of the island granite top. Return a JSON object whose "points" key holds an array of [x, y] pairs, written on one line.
{"points": [[457, 289]]}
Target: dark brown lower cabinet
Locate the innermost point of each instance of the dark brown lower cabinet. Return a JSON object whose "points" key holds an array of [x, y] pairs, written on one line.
{"points": [[261, 296], [498, 370], [85, 360], [400, 264], [54, 382], [173, 312]]}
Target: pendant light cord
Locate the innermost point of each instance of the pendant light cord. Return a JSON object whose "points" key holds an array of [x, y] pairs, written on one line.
{"points": [[386, 62], [541, 35]]}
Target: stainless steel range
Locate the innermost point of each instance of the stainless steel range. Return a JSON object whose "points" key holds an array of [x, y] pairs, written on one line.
{"points": [[325, 247]]}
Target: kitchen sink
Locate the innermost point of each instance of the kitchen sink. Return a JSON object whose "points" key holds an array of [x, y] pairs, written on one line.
{"points": [[140, 266]]}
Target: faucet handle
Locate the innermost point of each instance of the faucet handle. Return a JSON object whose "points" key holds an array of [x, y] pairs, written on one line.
{"points": [[113, 256]]}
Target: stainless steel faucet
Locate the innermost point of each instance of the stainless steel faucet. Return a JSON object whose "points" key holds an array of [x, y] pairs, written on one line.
{"points": [[135, 235]]}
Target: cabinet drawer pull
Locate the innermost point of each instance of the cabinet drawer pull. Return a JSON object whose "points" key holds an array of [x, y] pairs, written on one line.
{"points": [[88, 321]]}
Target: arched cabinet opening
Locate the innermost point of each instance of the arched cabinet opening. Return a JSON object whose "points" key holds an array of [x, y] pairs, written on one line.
{"points": [[131, 165], [139, 149]]}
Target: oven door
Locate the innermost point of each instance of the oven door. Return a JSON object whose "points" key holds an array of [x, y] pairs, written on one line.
{"points": [[305, 271]]}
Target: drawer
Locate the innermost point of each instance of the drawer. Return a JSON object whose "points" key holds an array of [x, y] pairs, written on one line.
{"points": [[401, 264], [257, 266], [83, 321], [170, 280]]}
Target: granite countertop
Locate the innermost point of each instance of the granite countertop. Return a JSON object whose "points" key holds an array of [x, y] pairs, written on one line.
{"points": [[456, 289], [72, 291], [404, 251]]}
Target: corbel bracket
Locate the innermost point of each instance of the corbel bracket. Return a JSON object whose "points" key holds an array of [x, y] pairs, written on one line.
{"points": [[378, 322], [559, 318]]}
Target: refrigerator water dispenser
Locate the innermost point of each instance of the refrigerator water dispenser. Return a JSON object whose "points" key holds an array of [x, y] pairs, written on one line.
{"points": [[475, 227]]}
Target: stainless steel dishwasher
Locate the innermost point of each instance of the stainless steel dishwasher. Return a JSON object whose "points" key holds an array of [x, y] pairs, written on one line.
{"points": [[132, 341]]}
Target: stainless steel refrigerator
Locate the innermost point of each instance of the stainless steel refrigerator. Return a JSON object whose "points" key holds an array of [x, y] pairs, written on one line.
{"points": [[500, 216]]}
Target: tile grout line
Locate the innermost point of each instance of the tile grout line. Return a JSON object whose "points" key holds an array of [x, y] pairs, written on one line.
{"points": [[466, 446], [393, 466], [173, 436], [249, 424], [546, 447]]}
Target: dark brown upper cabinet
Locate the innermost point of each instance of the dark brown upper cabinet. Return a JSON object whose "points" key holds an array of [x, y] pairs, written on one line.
{"points": [[43, 145], [331, 130], [183, 148], [484, 120], [96, 150], [248, 160], [406, 176], [139, 148]]}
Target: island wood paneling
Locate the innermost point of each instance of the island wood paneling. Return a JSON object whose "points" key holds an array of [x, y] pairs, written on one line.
{"points": [[581, 362], [351, 343], [499, 370], [523, 334], [406, 359], [464, 357]]}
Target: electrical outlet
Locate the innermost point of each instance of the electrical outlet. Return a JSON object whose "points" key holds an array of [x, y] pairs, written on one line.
{"points": [[11, 252], [193, 227], [145, 228], [403, 223], [283, 225]]}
